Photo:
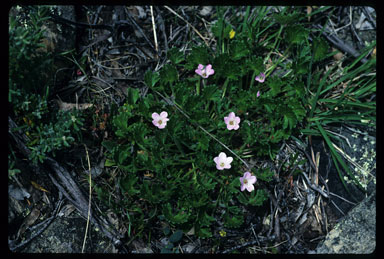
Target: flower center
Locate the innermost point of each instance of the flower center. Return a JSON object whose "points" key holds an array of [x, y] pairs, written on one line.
{"points": [[222, 164], [245, 181], [160, 121], [231, 122]]}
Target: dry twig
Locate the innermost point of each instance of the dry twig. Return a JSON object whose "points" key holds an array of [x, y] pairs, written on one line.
{"points": [[198, 33], [154, 30], [89, 200]]}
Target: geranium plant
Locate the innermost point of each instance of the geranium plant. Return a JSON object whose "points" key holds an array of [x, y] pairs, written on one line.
{"points": [[195, 164]]}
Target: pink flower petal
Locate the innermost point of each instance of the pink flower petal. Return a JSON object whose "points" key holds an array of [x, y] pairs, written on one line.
{"points": [[219, 167], [260, 77], [247, 175], [229, 160], [222, 156], [250, 187], [163, 115], [209, 71], [216, 159], [155, 116], [252, 179]]}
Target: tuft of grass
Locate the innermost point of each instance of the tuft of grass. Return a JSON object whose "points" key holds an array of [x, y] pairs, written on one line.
{"points": [[343, 97]]}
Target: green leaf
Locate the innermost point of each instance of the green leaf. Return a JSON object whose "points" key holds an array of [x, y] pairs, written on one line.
{"points": [[204, 233], [320, 49], [233, 221], [205, 219], [151, 78], [256, 64], [156, 192], [133, 95], [300, 67], [289, 119], [265, 175], [176, 218], [167, 231], [255, 198], [199, 55], [275, 84], [225, 67], [211, 92], [238, 49], [285, 19], [175, 55], [139, 130], [168, 74], [109, 162], [206, 183], [258, 198], [120, 121], [122, 156], [127, 184], [296, 34], [203, 143], [109, 145], [176, 236], [234, 186]]}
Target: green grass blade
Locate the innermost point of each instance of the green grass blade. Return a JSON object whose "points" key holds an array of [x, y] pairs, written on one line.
{"points": [[370, 105], [337, 156]]}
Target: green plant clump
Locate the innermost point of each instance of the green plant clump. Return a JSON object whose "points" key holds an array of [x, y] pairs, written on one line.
{"points": [[30, 74], [172, 170]]}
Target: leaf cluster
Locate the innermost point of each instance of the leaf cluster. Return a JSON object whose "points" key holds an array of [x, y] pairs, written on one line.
{"points": [[30, 70]]}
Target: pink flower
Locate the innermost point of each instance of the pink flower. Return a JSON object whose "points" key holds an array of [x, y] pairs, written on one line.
{"points": [[222, 161], [232, 121], [204, 71], [260, 78], [247, 182], [258, 94], [160, 121]]}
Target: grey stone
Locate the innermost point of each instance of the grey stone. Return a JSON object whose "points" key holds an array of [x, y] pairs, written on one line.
{"points": [[354, 234]]}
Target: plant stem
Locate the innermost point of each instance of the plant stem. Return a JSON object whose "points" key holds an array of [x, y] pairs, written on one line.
{"points": [[198, 87], [225, 87]]}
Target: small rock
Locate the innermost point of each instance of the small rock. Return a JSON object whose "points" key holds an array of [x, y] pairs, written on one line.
{"points": [[188, 248], [141, 248], [205, 11], [18, 193]]}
